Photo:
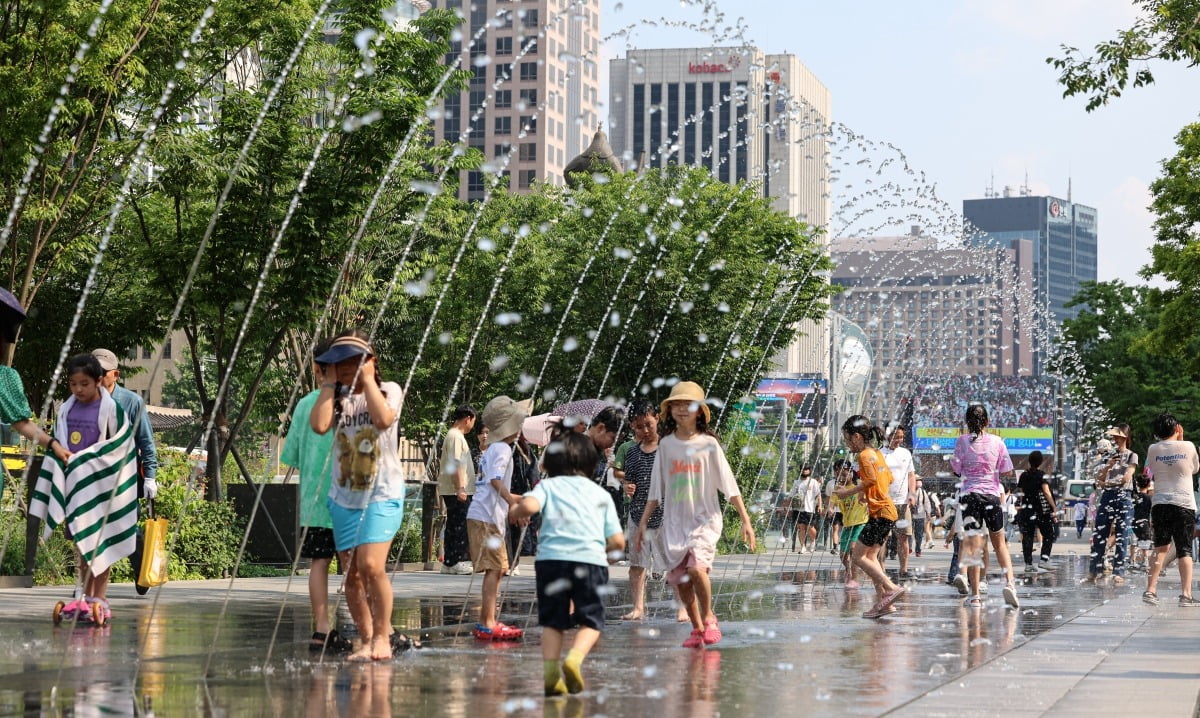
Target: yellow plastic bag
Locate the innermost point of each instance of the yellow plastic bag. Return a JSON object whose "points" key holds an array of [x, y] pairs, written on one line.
{"points": [[153, 571]]}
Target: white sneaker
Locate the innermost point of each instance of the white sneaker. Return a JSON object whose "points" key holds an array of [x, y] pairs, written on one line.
{"points": [[449, 569], [515, 570], [463, 568], [1010, 596], [960, 582], [983, 586]]}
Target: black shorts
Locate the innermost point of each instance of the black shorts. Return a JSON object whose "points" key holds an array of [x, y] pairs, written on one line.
{"points": [[318, 543], [561, 582], [1173, 523], [837, 518], [1141, 529], [805, 517], [875, 531], [982, 510]]}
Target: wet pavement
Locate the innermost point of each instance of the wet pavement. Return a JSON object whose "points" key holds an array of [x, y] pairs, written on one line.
{"points": [[794, 640]]}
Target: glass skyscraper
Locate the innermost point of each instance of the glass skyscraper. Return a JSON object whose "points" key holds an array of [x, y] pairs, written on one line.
{"points": [[1063, 234]]}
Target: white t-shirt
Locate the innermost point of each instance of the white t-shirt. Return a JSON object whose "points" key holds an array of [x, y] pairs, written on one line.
{"points": [[1080, 511], [829, 487], [900, 462], [488, 505], [685, 480], [808, 491], [1173, 464], [366, 467]]}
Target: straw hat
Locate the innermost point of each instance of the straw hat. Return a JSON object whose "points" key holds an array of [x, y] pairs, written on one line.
{"points": [[504, 416], [688, 391], [1116, 431]]}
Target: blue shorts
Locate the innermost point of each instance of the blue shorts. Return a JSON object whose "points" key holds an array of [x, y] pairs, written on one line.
{"points": [[378, 523]]}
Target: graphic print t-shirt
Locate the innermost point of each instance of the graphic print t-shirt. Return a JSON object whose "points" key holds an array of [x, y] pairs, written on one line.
{"points": [[366, 467], [83, 425]]}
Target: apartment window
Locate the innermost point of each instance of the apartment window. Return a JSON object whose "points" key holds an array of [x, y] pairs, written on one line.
{"points": [[528, 152], [450, 117], [503, 126], [723, 127], [656, 123], [529, 71], [501, 149], [474, 181], [709, 110], [689, 131], [525, 178], [477, 99], [146, 354], [673, 115], [639, 120], [503, 99], [504, 46], [529, 123], [530, 18], [529, 97], [478, 75], [503, 70], [529, 46], [167, 350]]}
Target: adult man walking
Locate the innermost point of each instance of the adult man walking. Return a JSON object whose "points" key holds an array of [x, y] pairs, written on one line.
{"points": [[456, 484], [806, 499], [903, 488], [135, 409]]}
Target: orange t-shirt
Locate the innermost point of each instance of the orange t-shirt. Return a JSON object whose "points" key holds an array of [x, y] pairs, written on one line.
{"points": [[876, 479]]}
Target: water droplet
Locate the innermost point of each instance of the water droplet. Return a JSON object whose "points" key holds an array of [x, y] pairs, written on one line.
{"points": [[570, 344]]}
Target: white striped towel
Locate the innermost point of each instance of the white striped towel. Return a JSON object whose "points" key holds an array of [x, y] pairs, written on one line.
{"points": [[96, 497]]}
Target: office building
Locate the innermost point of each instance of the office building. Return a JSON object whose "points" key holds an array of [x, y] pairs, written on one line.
{"points": [[1063, 236], [745, 115], [531, 106]]}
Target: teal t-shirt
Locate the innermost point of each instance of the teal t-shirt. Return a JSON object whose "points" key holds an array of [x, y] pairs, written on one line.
{"points": [[577, 517], [308, 452]]}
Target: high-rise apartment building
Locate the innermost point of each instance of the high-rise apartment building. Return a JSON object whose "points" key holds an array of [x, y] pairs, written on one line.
{"points": [[532, 102], [1063, 235], [930, 310], [747, 116]]}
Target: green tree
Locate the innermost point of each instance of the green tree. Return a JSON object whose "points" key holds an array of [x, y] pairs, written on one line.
{"points": [[1165, 30], [1113, 341], [710, 244], [381, 107]]}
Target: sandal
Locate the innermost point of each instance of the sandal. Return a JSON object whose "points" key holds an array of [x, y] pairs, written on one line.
{"points": [[401, 642], [333, 642]]}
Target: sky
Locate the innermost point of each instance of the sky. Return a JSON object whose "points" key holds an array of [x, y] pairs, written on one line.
{"points": [[962, 88]]}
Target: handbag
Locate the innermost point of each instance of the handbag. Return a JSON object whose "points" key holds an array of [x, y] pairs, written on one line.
{"points": [[153, 571]]}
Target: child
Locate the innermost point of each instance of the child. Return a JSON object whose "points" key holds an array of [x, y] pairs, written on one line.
{"points": [[854, 517], [366, 495], [688, 471], [859, 433], [308, 452], [579, 532], [981, 459], [488, 514], [89, 417], [633, 463], [1037, 513]]}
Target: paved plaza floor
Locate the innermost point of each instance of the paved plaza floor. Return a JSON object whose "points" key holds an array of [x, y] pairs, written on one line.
{"points": [[795, 643]]}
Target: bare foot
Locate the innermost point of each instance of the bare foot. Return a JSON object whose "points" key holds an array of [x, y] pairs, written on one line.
{"points": [[682, 616], [361, 653], [633, 615], [381, 648]]}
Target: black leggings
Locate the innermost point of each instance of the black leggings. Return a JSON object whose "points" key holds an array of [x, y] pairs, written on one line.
{"points": [[1031, 521]]}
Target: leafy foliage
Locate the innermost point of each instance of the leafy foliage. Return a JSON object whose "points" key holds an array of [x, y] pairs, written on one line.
{"points": [[1113, 341], [1166, 30]]}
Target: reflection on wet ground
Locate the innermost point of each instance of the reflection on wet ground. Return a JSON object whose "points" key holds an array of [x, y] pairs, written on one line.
{"points": [[792, 638]]}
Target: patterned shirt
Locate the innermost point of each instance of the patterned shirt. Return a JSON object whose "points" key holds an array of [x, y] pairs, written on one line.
{"points": [[638, 464]]}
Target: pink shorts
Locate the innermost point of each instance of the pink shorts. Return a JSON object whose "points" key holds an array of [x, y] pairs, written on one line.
{"points": [[679, 574]]}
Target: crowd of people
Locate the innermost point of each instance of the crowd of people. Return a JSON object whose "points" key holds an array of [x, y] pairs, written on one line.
{"points": [[1015, 401], [583, 502]]}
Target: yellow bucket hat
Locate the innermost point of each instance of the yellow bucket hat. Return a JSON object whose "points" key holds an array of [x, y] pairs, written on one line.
{"points": [[688, 391]]}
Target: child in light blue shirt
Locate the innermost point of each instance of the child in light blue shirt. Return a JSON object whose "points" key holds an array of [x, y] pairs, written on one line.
{"points": [[580, 531]]}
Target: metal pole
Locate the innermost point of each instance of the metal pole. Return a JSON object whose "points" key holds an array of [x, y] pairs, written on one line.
{"points": [[783, 447]]}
